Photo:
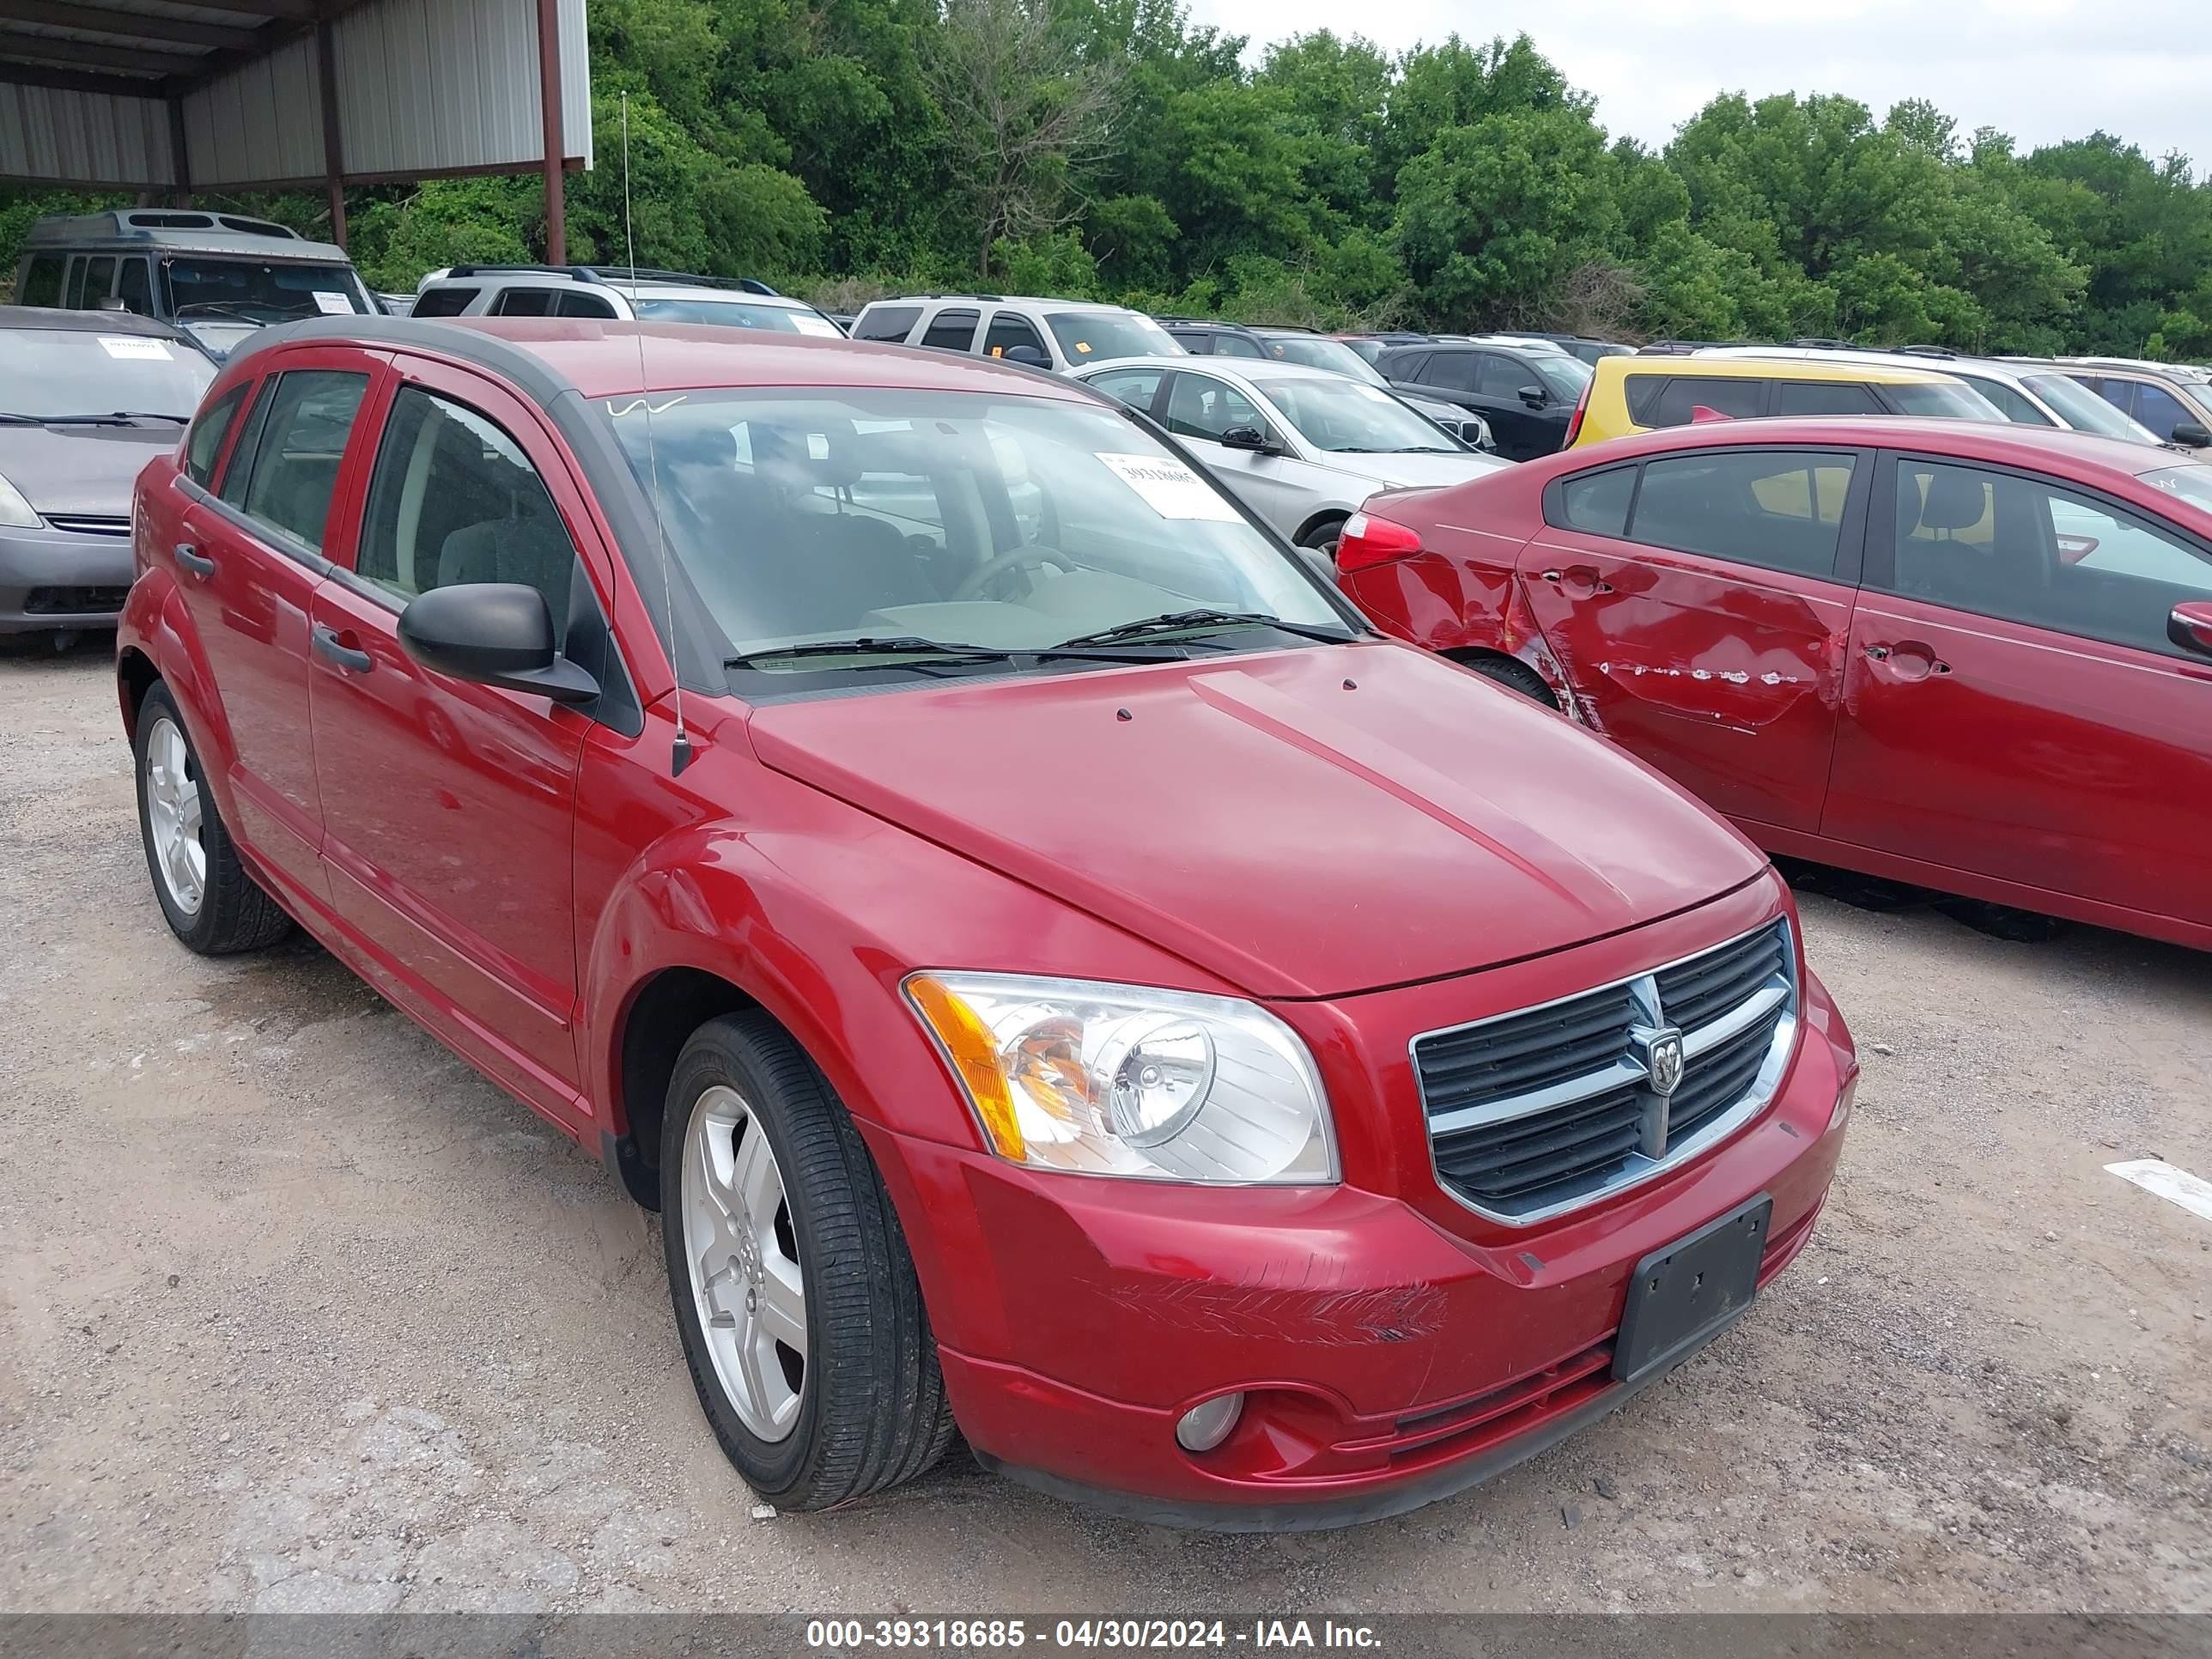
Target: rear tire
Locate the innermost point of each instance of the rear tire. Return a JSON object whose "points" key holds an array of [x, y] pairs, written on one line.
{"points": [[775, 1227], [1515, 675], [213, 907]]}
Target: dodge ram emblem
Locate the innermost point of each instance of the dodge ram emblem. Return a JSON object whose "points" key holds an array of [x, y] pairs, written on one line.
{"points": [[1663, 1057]]}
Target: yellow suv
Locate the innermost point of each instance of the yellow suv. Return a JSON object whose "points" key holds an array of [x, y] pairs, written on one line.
{"points": [[1639, 393]]}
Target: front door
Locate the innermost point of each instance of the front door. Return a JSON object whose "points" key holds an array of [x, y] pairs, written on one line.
{"points": [[2013, 705], [1700, 603], [449, 806], [251, 558], [1279, 488]]}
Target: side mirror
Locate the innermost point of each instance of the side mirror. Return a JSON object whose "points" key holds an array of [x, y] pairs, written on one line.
{"points": [[2189, 626], [1532, 395], [1028, 356], [1249, 438], [493, 634], [2193, 434]]}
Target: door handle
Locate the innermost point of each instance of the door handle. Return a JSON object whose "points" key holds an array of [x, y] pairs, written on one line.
{"points": [[193, 559], [1907, 660], [1578, 581], [331, 648]]}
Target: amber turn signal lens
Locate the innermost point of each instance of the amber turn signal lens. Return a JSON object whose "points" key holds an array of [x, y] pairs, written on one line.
{"points": [[968, 1045]]}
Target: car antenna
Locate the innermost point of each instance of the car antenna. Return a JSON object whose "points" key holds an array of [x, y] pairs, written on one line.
{"points": [[679, 754]]}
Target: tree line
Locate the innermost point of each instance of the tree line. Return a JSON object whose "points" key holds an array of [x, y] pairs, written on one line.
{"points": [[1108, 148]]}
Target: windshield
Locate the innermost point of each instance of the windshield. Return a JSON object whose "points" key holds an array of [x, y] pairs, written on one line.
{"points": [[1003, 523], [252, 291], [2191, 482], [48, 372], [1564, 376], [737, 313], [2084, 411], [1350, 417], [1094, 336], [1949, 400], [1331, 355]]}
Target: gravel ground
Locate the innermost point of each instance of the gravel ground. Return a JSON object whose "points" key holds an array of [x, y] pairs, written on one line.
{"points": [[303, 1315]]}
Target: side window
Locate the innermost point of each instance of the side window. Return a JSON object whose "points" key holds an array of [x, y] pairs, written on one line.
{"points": [[1406, 366], [443, 301], [1500, 376], [886, 322], [1136, 387], [454, 499], [1200, 406], [301, 439], [1779, 510], [2010, 403], [1679, 401], [74, 299], [525, 302], [582, 304], [1236, 345], [952, 331], [1598, 501], [205, 442], [1453, 370], [1823, 398], [2003, 544], [1196, 341], [134, 288], [2160, 410], [1010, 328], [99, 276], [2114, 392], [42, 281]]}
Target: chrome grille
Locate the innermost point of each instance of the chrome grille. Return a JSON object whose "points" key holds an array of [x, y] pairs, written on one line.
{"points": [[91, 524], [1535, 1112]]}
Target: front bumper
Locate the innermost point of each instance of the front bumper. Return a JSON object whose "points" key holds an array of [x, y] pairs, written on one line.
{"points": [[1391, 1350], [56, 579]]}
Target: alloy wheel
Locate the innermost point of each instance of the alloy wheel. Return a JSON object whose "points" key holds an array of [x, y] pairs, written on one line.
{"points": [[742, 1249], [174, 813]]}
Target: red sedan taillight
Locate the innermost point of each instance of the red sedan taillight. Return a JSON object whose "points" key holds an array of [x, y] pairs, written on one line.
{"points": [[1368, 541], [1575, 422]]}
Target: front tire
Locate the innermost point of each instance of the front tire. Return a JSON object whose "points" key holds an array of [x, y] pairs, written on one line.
{"points": [[795, 1297], [1514, 674], [211, 904]]}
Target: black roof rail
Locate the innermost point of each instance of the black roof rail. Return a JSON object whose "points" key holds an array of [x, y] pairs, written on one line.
{"points": [[1279, 328], [1815, 342], [1926, 351], [607, 276]]}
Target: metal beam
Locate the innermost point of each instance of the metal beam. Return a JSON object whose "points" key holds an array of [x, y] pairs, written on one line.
{"points": [[62, 80], [333, 151], [180, 153], [128, 25], [302, 12], [90, 54], [549, 102]]}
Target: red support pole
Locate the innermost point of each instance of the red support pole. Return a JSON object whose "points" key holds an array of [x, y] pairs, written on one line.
{"points": [[549, 99], [333, 150]]}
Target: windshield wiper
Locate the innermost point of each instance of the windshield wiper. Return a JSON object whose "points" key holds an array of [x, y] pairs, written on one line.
{"points": [[9, 418], [1175, 621], [116, 417], [232, 308], [913, 645]]}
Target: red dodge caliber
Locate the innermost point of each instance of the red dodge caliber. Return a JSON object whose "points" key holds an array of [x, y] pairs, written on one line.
{"points": [[1977, 658], [1057, 974]]}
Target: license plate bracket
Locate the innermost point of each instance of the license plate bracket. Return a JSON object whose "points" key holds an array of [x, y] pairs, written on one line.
{"points": [[1685, 1294]]}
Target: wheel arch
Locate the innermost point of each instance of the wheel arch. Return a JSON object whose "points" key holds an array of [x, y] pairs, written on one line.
{"points": [[661, 1014], [1327, 515]]}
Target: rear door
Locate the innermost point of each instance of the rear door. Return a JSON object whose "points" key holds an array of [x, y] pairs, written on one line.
{"points": [[2013, 706], [1699, 603], [449, 807], [249, 561]]}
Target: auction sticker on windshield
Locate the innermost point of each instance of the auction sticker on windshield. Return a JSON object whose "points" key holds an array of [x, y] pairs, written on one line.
{"points": [[1170, 489], [144, 350], [333, 305]]}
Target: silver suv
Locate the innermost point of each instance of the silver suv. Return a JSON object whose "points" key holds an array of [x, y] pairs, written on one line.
{"points": [[654, 296], [1055, 334]]}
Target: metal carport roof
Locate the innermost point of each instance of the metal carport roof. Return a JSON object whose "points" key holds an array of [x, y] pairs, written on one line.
{"points": [[166, 98]]}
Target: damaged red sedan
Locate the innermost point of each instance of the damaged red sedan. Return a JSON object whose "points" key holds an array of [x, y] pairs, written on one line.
{"points": [[1974, 658], [1049, 964]]}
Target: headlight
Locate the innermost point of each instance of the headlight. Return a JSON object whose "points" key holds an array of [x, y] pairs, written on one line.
{"points": [[16, 512], [1120, 1080]]}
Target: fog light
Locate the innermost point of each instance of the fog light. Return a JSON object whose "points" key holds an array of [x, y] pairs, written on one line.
{"points": [[1202, 1428], [1844, 1105]]}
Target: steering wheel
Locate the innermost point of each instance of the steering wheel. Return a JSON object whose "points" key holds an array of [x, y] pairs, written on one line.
{"points": [[1017, 558]]}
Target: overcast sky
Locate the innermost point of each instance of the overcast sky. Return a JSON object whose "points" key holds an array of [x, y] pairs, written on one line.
{"points": [[2040, 69]]}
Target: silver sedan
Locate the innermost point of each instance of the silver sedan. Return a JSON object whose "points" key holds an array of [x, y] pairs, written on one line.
{"points": [[1301, 447]]}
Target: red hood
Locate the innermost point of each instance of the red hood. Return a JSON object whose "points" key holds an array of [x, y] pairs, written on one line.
{"points": [[1260, 820]]}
